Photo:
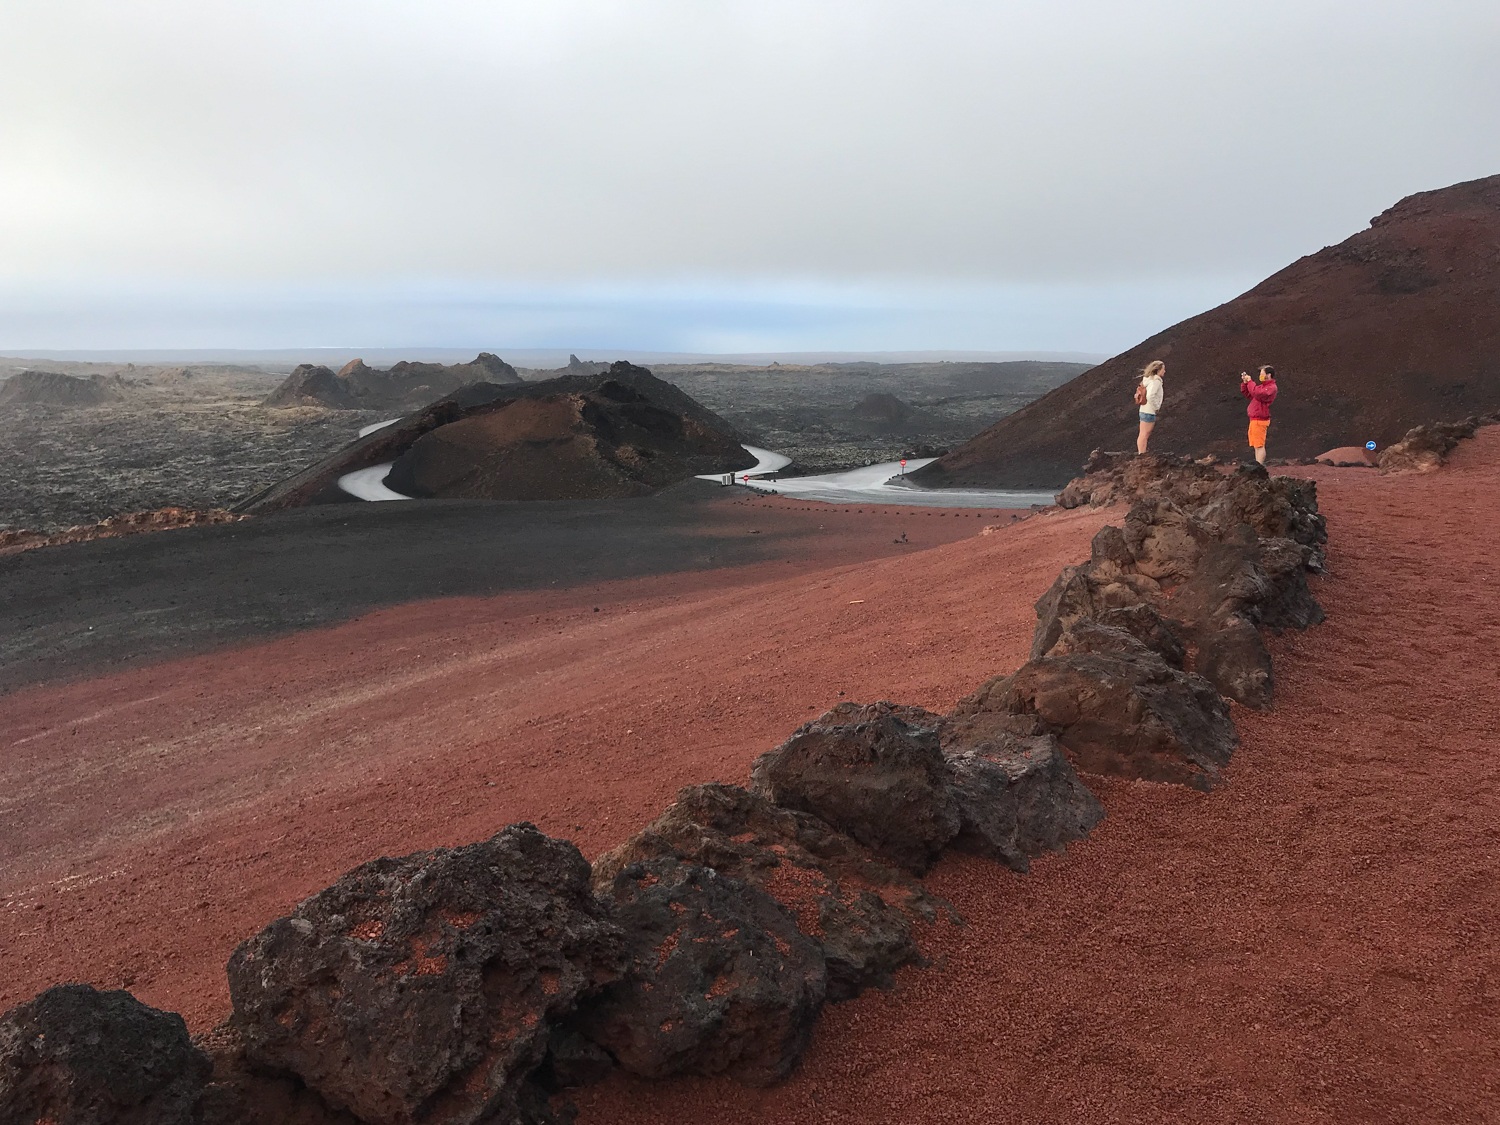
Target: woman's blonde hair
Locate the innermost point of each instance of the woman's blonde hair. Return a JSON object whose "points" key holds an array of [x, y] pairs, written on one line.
{"points": [[1155, 367]]}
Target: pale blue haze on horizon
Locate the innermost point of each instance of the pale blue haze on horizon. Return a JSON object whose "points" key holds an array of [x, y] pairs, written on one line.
{"points": [[703, 175]]}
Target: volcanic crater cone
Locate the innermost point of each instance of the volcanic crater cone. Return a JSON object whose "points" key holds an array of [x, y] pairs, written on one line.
{"points": [[618, 433], [1396, 326]]}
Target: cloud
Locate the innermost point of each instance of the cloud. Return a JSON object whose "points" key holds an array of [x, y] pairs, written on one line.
{"points": [[555, 142]]}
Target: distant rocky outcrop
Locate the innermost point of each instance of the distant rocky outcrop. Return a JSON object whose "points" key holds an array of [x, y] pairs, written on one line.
{"points": [[1396, 326], [619, 433], [403, 386], [51, 388], [885, 414]]}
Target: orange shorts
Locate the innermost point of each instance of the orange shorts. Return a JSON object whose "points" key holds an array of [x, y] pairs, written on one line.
{"points": [[1258, 428]]}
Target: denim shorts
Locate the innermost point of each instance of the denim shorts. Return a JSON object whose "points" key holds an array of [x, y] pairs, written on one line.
{"points": [[1147, 417]]}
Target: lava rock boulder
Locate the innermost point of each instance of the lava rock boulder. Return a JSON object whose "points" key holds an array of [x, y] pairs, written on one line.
{"points": [[1017, 795], [424, 988], [77, 1056], [1117, 707], [721, 981], [875, 772], [860, 911]]}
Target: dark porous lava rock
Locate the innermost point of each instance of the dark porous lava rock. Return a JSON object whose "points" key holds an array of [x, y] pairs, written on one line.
{"points": [[1017, 794], [1118, 708], [1289, 603], [1236, 557], [572, 1060], [873, 771], [1188, 503], [423, 989], [1234, 658], [721, 980], [78, 1056], [1165, 542], [1273, 507], [241, 1094], [1090, 590], [857, 909], [1149, 627]]}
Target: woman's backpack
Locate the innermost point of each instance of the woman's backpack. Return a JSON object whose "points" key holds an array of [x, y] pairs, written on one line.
{"points": [[1140, 394]]}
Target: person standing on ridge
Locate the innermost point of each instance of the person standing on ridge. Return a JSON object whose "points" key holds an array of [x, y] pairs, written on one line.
{"points": [[1148, 398], [1261, 394]]}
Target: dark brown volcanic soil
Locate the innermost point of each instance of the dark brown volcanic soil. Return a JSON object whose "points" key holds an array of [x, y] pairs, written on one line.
{"points": [[1396, 326], [1312, 942]]}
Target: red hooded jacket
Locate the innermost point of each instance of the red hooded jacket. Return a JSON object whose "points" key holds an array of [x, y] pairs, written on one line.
{"points": [[1261, 396]]}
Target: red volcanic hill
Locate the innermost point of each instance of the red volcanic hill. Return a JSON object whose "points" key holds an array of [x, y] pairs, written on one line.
{"points": [[1394, 327]]}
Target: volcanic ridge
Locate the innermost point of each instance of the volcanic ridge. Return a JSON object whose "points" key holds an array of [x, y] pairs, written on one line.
{"points": [[403, 386]]}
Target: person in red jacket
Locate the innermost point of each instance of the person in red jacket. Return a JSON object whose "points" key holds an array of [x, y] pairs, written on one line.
{"points": [[1262, 394]]}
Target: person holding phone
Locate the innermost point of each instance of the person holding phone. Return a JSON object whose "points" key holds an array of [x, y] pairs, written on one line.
{"points": [[1261, 391]]}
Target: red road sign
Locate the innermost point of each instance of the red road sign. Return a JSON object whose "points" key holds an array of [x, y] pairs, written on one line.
{"points": [[903, 462]]}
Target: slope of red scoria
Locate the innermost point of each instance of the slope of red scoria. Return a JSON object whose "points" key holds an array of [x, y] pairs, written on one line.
{"points": [[151, 820]]}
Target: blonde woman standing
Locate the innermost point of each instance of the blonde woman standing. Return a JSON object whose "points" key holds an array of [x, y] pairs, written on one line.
{"points": [[1148, 397]]}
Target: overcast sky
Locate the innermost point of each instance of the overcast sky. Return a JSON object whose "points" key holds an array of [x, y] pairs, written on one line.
{"points": [[704, 175]]}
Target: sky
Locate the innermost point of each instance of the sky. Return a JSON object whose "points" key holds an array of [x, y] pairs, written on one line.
{"points": [[704, 175]]}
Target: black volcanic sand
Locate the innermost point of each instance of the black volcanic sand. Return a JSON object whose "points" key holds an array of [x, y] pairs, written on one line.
{"points": [[84, 609]]}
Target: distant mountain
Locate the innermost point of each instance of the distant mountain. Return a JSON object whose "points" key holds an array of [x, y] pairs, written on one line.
{"points": [[403, 386], [1397, 326], [621, 432], [49, 388]]}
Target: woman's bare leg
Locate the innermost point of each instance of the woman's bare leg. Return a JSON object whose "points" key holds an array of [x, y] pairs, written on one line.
{"points": [[1144, 436], [1260, 454]]}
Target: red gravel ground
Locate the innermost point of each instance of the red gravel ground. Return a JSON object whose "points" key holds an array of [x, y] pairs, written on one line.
{"points": [[1312, 942], [153, 819]]}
